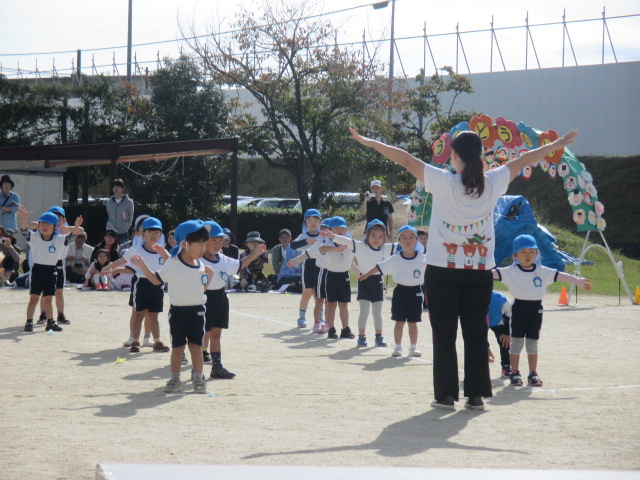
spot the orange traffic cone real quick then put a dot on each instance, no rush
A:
(636, 299)
(564, 300)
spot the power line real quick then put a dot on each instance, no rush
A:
(194, 37)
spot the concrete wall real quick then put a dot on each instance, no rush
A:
(602, 101)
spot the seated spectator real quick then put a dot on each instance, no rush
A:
(10, 252)
(78, 259)
(94, 276)
(110, 244)
(171, 240)
(279, 251)
(252, 275)
(228, 248)
(291, 276)
(124, 246)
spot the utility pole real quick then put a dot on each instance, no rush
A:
(129, 41)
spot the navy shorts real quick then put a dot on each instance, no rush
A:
(526, 319)
(60, 275)
(134, 280)
(321, 283)
(217, 309)
(371, 289)
(186, 324)
(338, 287)
(310, 273)
(43, 280)
(406, 303)
(147, 296)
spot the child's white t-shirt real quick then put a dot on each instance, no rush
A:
(46, 252)
(527, 284)
(336, 261)
(405, 271)
(186, 282)
(368, 257)
(313, 251)
(461, 231)
(153, 260)
(223, 268)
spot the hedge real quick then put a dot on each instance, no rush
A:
(267, 221)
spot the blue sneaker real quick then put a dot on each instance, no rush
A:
(380, 341)
(362, 341)
(302, 323)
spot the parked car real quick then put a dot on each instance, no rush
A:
(243, 201)
(278, 203)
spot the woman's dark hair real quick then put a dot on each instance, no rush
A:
(468, 146)
(201, 235)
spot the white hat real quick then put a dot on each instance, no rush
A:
(376, 183)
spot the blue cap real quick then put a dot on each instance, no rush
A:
(326, 222)
(524, 241)
(407, 228)
(151, 223)
(312, 212)
(49, 217)
(184, 229)
(373, 223)
(338, 222)
(215, 230)
(58, 210)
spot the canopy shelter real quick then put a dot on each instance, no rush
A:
(68, 155)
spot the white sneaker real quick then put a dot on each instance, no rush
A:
(148, 342)
(128, 342)
(397, 352)
(414, 352)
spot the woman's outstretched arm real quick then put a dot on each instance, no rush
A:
(532, 156)
(413, 165)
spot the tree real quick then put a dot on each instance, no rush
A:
(427, 110)
(308, 91)
(184, 105)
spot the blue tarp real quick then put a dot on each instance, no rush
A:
(514, 216)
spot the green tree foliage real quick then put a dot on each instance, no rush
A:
(184, 105)
(308, 92)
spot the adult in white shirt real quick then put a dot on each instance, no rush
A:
(78, 259)
(460, 256)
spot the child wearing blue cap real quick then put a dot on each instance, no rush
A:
(337, 260)
(369, 252)
(217, 316)
(320, 280)
(147, 297)
(188, 278)
(45, 245)
(407, 267)
(528, 282)
(310, 235)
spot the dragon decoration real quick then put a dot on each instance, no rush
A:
(505, 140)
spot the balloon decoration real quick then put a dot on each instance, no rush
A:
(503, 141)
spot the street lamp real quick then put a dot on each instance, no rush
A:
(377, 6)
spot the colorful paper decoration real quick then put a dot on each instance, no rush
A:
(504, 141)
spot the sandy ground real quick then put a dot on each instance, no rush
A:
(300, 399)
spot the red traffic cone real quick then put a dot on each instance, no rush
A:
(564, 299)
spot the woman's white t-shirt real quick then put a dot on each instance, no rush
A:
(461, 231)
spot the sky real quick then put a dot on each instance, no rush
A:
(42, 27)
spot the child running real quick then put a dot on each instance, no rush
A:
(407, 268)
(310, 235)
(217, 305)
(45, 245)
(369, 252)
(188, 279)
(528, 283)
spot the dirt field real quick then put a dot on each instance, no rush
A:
(300, 399)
